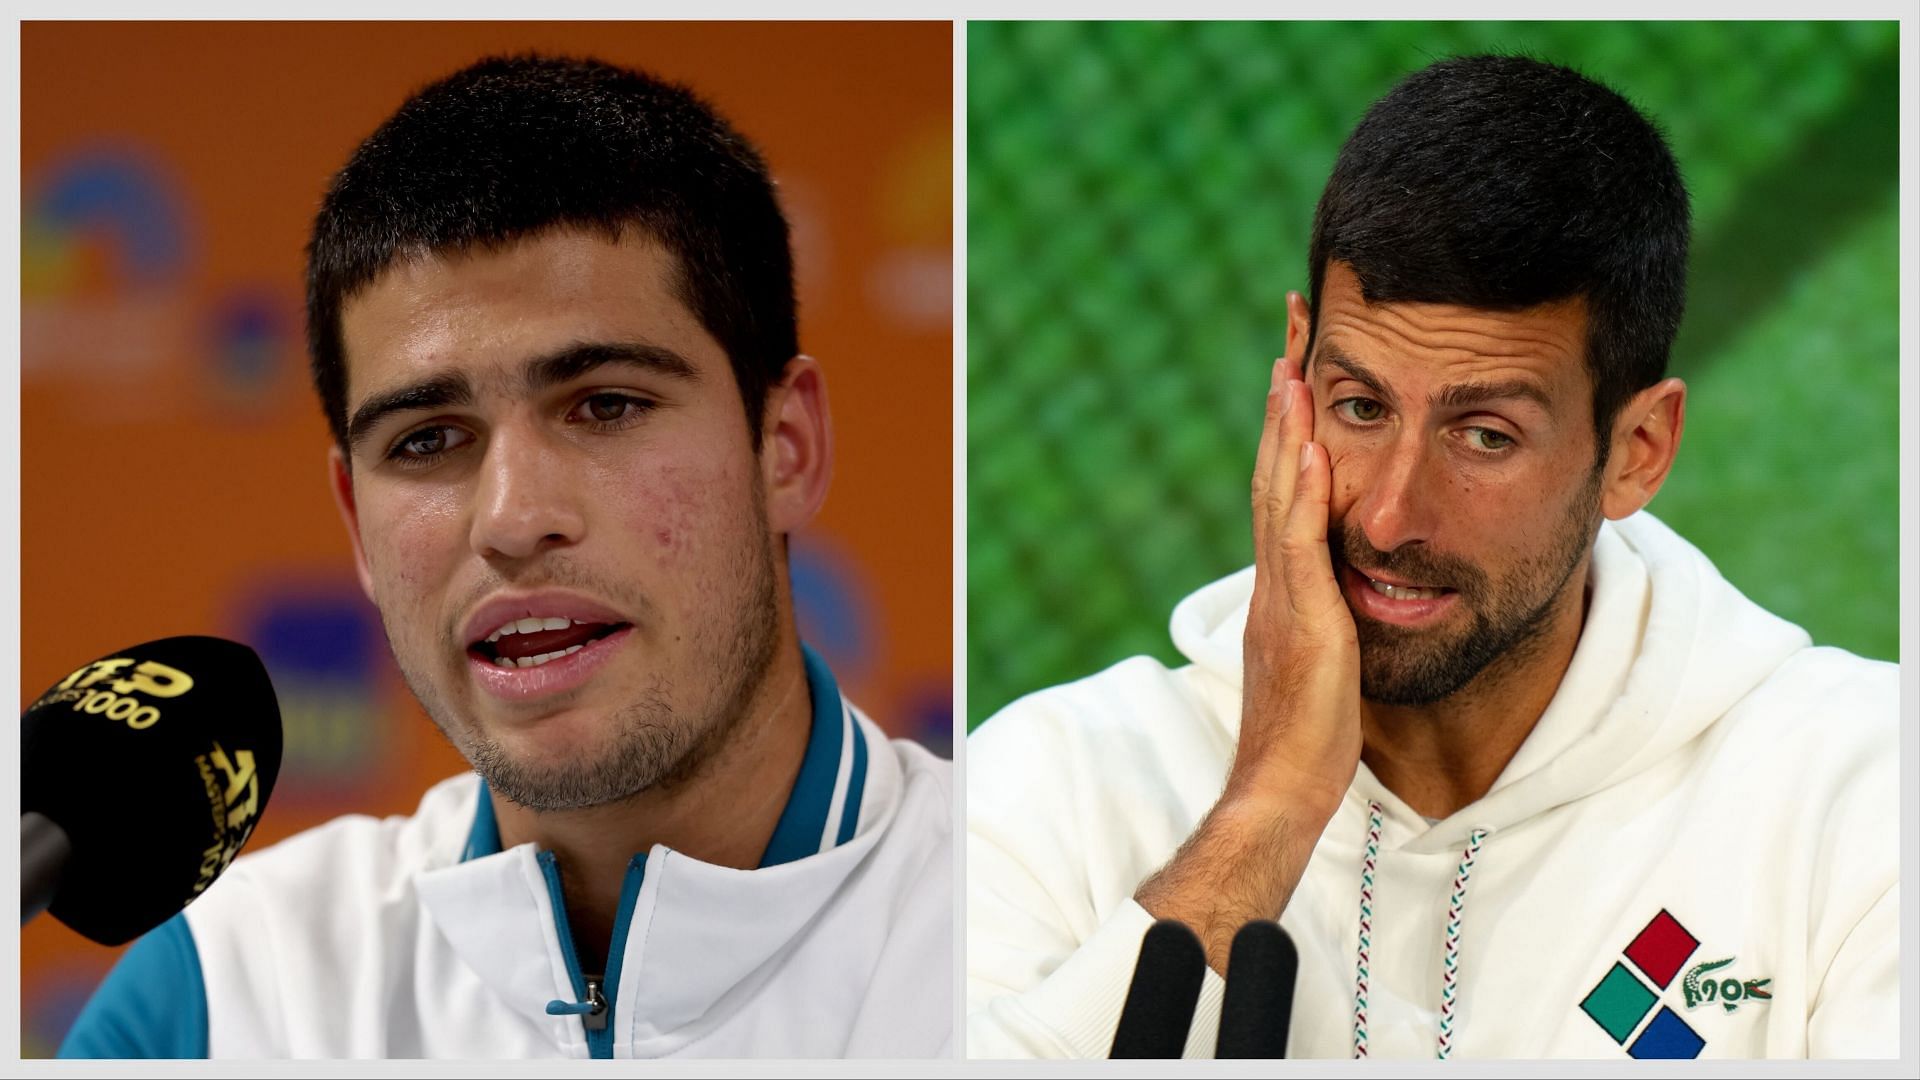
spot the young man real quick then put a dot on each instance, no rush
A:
(552, 324)
(1520, 773)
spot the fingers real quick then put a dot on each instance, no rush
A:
(1289, 422)
(1311, 587)
(1264, 459)
(1296, 427)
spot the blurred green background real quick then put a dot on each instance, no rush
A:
(1139, 202)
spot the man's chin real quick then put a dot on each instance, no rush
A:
(1406, 672)
(552, 774)
(553, 739)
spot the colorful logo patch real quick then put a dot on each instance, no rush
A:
(1731, 993)
(1623, 999)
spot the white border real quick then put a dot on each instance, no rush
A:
(10, 481)
(959, 1047)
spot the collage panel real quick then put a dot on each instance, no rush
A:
(505, 463)
(1322, 378)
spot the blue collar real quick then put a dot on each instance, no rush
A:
(826, 780)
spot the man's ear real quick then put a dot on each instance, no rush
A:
(1299, 329)
(796, 445)
(1646, 436)
(340, 478)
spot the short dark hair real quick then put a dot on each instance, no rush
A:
(1502, 182)
(514, 146)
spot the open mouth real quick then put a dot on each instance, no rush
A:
(531, 642)
(1406, 592)
(1405, 605)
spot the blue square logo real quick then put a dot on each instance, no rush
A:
(1667, 1037)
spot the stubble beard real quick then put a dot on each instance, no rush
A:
(1399, 666)
(653, 743)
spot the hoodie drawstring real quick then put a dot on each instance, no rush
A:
(1450, 978)
(1365, 958)
(1456, 912)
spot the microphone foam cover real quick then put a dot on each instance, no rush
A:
(1257, 1007)
(157, 761)
(1165, 990)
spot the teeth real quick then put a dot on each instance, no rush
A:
(1400, 592)
(536, 661)
(529, 625)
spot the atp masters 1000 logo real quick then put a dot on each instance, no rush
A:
(116, 700)
(233, 801)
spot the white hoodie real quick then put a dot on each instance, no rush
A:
(1694, 853)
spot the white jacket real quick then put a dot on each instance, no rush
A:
(1693, 853)
(418, 937)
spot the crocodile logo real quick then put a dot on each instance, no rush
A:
(1731, 993)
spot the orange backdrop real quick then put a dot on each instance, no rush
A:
(173, 451)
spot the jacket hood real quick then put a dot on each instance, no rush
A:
(1667, 648)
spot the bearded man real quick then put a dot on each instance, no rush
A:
(1518, 771)
(551, 318)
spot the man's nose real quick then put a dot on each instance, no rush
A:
(525, 499)
(1392, 491)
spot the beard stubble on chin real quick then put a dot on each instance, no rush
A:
(662, 738)
(1400, 666)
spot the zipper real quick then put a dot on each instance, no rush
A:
(600, 1039)
(593, 994)
(585, 993)
(597, 1016)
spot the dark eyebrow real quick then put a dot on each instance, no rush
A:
(1457, 396)
(1461, 395)
(540, 373)
(1354, 370)
(435, 393)
(573, 361)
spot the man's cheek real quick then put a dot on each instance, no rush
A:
(406, 559)
(1346, 479)
(666, 511)
(408, 552)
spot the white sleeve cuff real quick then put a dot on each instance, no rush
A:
(1073, 1012)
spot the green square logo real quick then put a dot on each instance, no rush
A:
(1619, 1003)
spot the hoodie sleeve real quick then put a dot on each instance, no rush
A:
(1857, 1013)
(1848, 779)
(1033, 990)
(1058, 838)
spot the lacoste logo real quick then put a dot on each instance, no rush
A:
(1731, 993)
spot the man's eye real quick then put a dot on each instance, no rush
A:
(1488, 440)
(612, 409)
(1362, 410)
(424, 445)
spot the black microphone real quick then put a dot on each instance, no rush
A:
(1258, 1004)
(141, 776)
(1164, 993)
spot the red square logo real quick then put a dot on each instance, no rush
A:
(1661, 948)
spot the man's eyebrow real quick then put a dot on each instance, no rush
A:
(1461, 395)
(435, 393)
(1354, 370)
(571, 362)
(540, 373)
(1457, 396)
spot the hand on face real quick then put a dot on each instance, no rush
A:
(1300, 684)
(1300, 697)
